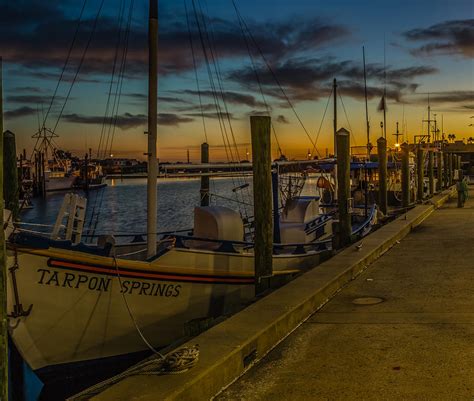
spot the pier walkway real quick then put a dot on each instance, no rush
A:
(417, 344)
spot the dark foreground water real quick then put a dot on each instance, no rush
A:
(121, 208)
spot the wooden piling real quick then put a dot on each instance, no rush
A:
(431, 172)
(439, 171)
(276, 206)
(446, 170)
(450, 169)
(419, 173)
(3, 270)
(405, 174)
(10, 173)
(382, 153)
(344, 185)
(204, 178)
(460, 189)
(262, 195)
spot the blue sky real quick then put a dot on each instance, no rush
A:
(429, 48)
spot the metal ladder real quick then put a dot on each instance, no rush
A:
(73, 209)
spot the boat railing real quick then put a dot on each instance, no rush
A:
(228, 246)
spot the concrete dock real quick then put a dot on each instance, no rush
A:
(417, 344)
(318, 337)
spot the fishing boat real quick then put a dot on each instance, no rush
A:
(75, 304)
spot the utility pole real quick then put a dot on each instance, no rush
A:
(366, 107)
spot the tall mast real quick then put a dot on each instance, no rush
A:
(366, 106)
(3, 272)
(152, 121)
(334, 90)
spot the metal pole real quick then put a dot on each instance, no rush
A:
(366, 106)
(382, 153)
(420, 173)
(344, 189)
(205, 178)
(439, 171)
(405, 175)
(10, 173)
(431, 172)
(334, 90)
(3, 272)
(262, 192)
(152, 122)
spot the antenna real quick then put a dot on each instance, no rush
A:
(366, 106)
(429, 120)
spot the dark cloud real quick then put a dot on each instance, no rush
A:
(282, 119)
(452, 97)
(33, 99)
(37, 36)
(127, 120)
(229, 96)
(20, 112)
(221, 115)
(449, 37)
(309, 79)
(172, 119)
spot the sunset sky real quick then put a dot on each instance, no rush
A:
(429, 50)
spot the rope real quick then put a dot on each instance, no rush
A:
(150, 347)
(179, 361)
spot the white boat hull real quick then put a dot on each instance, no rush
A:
(81, 310)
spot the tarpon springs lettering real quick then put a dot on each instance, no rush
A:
(93, 283)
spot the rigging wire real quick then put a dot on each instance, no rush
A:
(195, 70)
(208, 57)
(275, 77)
(80, 63)
(322, 121)
(117, 45)
(78, 23)
(254, 68)
(347, 119)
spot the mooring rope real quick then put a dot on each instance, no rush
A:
(179, 361)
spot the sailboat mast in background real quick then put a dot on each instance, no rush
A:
(152, 121)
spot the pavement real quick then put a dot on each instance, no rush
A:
(416, 344)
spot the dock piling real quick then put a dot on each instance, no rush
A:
(382, 154)
(344, 185)
(439, 171)
(405, 174)
(419, 173)
(262, 194)
(431, 172)
(204, 177)
(450, 169)
(445, 170)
